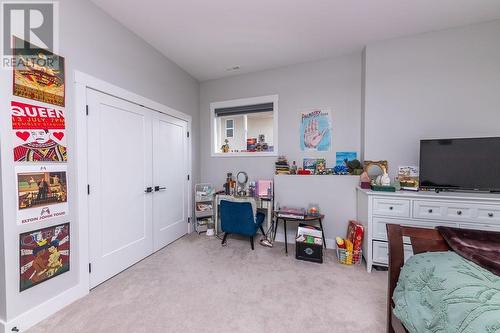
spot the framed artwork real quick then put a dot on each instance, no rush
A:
(43, 254)
(38, 74)
(316, 130)
(39, 133)
(310, 164)
(42, 192)
(343, 156)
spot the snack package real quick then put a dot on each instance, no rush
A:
(355, 233)
(340, 242)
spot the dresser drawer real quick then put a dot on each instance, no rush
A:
(452, 211)
(380, 231)
(381, 252)
(488, 214)
(391, 207)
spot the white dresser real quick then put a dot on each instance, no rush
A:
(420, 209)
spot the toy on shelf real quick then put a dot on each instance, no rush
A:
(225, 147)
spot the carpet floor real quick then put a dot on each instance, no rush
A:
(195, 285)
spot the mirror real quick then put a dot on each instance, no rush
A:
(242, 178)
(375, 168)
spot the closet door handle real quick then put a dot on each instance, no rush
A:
(159, 188)
(148, 189)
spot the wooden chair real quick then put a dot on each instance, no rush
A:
(422, 240)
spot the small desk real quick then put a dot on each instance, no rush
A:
(262, 203)
(306, 219)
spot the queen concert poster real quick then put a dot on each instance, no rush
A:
(42, 192)
(39, 133)
(43, 254)
(38, 74)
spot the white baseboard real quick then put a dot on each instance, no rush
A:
(35, 315)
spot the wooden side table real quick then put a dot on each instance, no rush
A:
(306, 219)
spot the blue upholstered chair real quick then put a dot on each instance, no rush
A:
(238, 218)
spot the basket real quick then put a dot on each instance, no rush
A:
(349, 258)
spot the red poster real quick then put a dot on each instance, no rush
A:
(39, 133)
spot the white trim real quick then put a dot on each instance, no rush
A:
(44, 310)
(110, 89)
(239, 102)
(82, 83)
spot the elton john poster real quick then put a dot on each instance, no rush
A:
(39, 133)
(43, 254)
(42, 192)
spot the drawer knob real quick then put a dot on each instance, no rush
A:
(430, 211)
(459, 212)
(391, 208)
(490, 214)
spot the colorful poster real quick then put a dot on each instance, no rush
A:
(316, 130)
(43, 254)
(39, 133)
(42, 192)
(38, 74)
(343, 156)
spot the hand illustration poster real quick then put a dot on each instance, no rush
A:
(39, 133)
(43, 254)
(316, 130)
(38, 74)
(42, 192)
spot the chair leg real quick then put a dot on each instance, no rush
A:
(224, 239)
(262, 230)
(251, 242)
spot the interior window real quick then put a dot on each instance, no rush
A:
(244, 128)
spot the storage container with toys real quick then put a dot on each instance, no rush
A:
(349, 249)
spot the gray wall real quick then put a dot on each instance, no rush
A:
(334, 83)
(436, 85)
(92, 42)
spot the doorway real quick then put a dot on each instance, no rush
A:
(137, 169)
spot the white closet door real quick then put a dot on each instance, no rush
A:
(119, 171)
(170, 161)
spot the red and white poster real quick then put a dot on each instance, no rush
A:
(39, 133)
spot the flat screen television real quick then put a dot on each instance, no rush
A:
(460, 164)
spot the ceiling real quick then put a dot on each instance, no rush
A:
(206, 37)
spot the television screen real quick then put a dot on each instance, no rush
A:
(462, 164)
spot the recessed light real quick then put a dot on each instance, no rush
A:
(232, 69)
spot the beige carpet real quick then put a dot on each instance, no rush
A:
(195, 285)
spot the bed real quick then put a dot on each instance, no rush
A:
(438, 290)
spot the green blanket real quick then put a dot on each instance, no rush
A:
(441, 292)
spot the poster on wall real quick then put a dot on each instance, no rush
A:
(39, 133)
(42, 192)
(43, 254)
(342, 157)
(38, 74)
(316, 130)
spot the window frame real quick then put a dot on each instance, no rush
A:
(215, 150)
(230, 128)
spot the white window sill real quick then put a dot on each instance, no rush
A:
(247, 154)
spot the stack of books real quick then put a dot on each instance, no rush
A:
(293, 213)
(282, 167)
